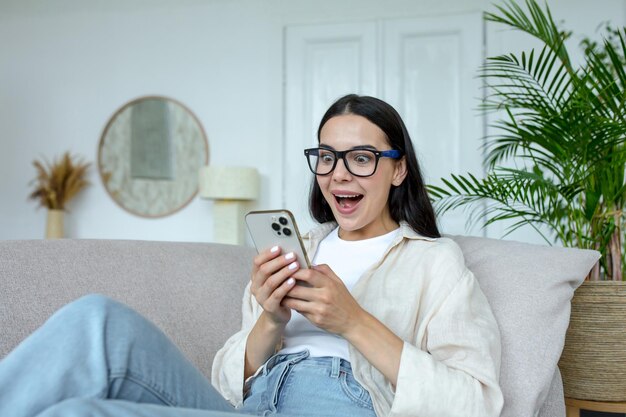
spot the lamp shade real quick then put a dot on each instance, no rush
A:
(229, 183)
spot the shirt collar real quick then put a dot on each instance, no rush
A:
(320, 232)
(408, 232)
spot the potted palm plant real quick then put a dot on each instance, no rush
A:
(558, 163)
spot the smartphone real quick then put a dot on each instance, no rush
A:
(270, 228)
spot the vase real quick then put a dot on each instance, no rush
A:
(593, 364)
(54, 224)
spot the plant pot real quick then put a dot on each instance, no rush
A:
(593, 364)
(54, 224)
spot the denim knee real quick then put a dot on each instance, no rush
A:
(91, 312)
(92, 305)
(91, 302)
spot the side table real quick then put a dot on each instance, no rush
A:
(574, 406)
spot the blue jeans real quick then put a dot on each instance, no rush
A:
(297, 385)
(96, 357)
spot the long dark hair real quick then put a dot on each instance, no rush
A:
(408, 202)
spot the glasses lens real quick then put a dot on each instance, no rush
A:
(361, 162)
(321, 161)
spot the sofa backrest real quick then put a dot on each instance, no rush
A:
(190, 290)
(193, 292)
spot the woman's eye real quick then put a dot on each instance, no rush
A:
(362, 158)
(327, 158)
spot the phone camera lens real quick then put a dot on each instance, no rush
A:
(276, 226)
(283, 221)
(286, 231)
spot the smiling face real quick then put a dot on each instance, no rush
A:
(359, 204)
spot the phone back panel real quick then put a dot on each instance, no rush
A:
(276, 228)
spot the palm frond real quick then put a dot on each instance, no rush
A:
(607, 79)
(539, 25)
(515, 192)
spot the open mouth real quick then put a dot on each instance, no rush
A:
(348, 200)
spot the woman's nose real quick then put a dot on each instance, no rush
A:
(341, 173)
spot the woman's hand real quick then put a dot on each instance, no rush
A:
(271, 281)
(329, 305)
(326, 303)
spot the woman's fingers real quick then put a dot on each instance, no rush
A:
(327, 303)
(274, 301)
(264, 265)
(270, 281)
(264, 256)
(316, 277)
(271, 296)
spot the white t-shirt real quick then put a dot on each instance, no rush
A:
(349, 260)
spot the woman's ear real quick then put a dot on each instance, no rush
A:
(400, 172)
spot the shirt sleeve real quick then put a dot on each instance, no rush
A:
(227, 374)
(458, 373)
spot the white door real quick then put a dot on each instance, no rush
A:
(430, 68)
(424, 67)
(323, 63)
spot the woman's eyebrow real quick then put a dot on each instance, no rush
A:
(364, 147)
(354, 148)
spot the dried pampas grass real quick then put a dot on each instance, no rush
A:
(57, 183)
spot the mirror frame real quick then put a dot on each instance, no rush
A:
(110, 123)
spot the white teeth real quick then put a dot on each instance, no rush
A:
(346, 196)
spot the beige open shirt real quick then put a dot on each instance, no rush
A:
(422, 290)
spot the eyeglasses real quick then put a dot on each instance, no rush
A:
(359, 162)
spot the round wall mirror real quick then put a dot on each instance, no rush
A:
(150, 155)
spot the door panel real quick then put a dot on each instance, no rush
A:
(430, 78)
(427, 71)
(323, 62)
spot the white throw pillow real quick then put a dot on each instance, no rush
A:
(529, 288)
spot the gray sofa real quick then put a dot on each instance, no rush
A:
(193, 292)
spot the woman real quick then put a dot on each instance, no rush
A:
(389, 321)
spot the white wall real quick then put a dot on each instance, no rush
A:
(66, 66)
(64, 74)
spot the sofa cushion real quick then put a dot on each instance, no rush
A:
(529, 288)
(192, 291)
